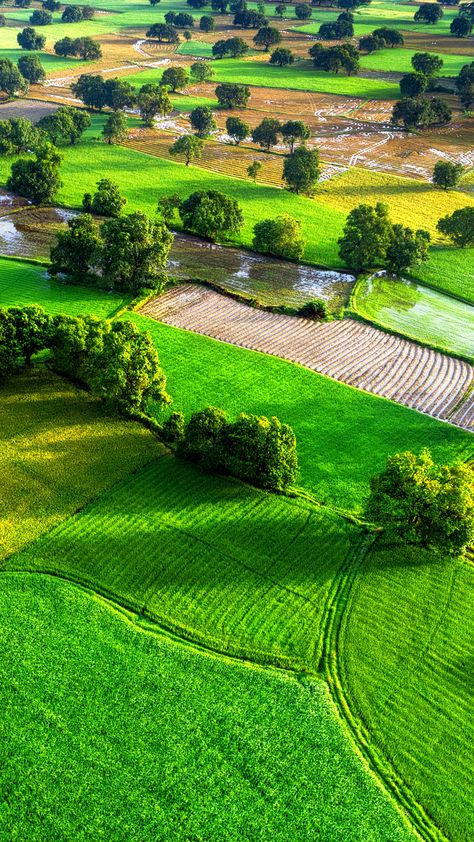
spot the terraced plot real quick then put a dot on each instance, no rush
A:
(354, 353)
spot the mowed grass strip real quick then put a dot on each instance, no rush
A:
(407, 656)
(59, 449)
(343, 435)
(241, 571)
(111, 731)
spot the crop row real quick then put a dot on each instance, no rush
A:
(355, 353)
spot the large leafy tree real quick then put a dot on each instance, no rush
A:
(280, 236)
(202, 71)
(413, 84)
(294, 130)
(31, 69)
(233, 47)
(301, 170)
(447, 174)
(11, 80)
(266, 133)
(237, 129)
(91, 89)
(28, 39)
(465, 85)
(37, 178)
(211, 214)
(231, 96)
(282, 57)
(65, 125)
(427, 63)
(421, 502)
(428, 13)
(366, 237)
(135, 251)
(107, 199)
(153, 101)
(188, 145)
(115, 128)
(459, 227)
(406, 248)
(414, 112)
(163, 32)
(266, 37)
(175, 78)
(202, 121)
(119, 94)
(77, 253)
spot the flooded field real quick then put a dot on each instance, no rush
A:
(30, 232)
(417, 312)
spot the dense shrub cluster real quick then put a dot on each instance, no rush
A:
(113, 360)
(256, 449)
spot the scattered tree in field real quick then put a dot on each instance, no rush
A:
(255, 449)
(459, 227)
(167, 207)
(248, 19)
(370, 43)
(31, 69)
(413, 84)
(338, 29)
(219, 6)
(293, 131)
(84, 48)
(237, 129)
(427, 63)
(135, 251)
(253, 170)
(202, 71)
(301, 170)
(366, 237)
(77, 251)
(282, 57)
(28, 39)
(429, 13)
(18, 135)
(11, 80)
(419, 112)
(232, 96)
(461, 27)
(163, 32)
(333, 59)
(188, 145)
(202, 121)
(303, 11)
(175, 78)
(266, 133)
(32, 329)
(233, 47)
(37, 178)
(465, 85)
(446, 174)
(119, 94)
(207, 23)
(211, 214)
(182, 20)
(315, 309)
(91, 90)
(280, 10)
(51, 5)
(421, 502)
(280, 236)
(74, 14)
(153, 101)
(65, 125)
(106, 201)
(391, 37)
(406, 248)
(115, 128)
(266, 37)
(40, 17)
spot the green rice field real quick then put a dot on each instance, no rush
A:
(398, 60)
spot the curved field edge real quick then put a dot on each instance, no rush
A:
(264, 748)
(405, 656)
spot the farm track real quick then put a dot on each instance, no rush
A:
(349, 351)
(337, 606)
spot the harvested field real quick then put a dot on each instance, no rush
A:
(30, 109)
(349, 351)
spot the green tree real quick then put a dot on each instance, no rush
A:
(420, 112)
(115, 128)
(280, 236)
(301, 170)
(260, 451)
(413, 84)
(32, 327)
(167, 207)
(280, 10)
(51, 5)
(219, 6)
(91, 90)
(461, 27)
(237, 129)
(282, 57)
(249, 19)
(446, 174)
(65, 47)
(303, 11)
(207, 23)
(253, 170)
(201, 442)
(267, 36)
(182, 20)
(37, 178)
(119, 94)
(465, 85)
(153, 100)
(202, 121)
(211, 214)
(420, 502)
(391, 37)
(72, 14)
(370, 43)
(175, 78)
(65, 125)
(107, 199)
(427, 63)
(41, 17)
(294, 130)
(18, 135)
(163, 32)
(233, 47)
(406, 248)
(232, 96)
(31, 69)
(77, 253)
(188, 145)
(135, 251)
(428, 13)
(366, 237)
(266, 133)
(11, 80)
(459, 227)
(202, 71)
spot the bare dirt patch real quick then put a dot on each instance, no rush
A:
(32, 110)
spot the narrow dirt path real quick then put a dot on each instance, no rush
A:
(354, 353)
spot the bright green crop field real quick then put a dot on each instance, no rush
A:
(110, 731)
(411, 680)
(418, 312)
(398, 60)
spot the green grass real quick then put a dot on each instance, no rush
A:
(343, 435)
(417, 312)
(187, 103)
(195, 48)
(109, 731)
(241, 571)
(411, 678)
(398, 60)
(23, 283)
(450, 269)
(59, 449)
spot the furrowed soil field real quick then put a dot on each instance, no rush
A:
(59, 449)
(411, 681)
(347, 350)
(137, 728)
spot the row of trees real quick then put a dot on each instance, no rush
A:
(71, 14)
(255, 449)
(113, 360)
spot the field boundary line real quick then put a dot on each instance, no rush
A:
(332, 626)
